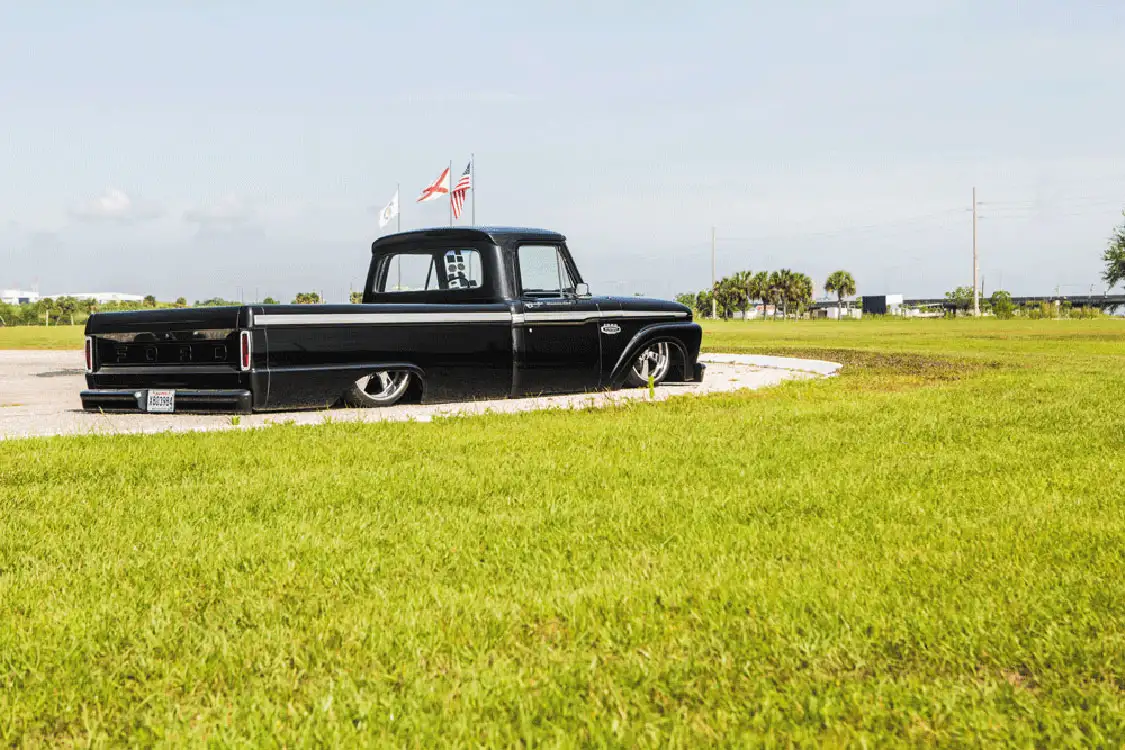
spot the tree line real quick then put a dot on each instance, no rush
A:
(785, 289)
(74, 311)
(71, 310)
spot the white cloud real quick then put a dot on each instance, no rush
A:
(115, 205)
(228, 213)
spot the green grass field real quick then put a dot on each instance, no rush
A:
(927, 550)
(41, 337)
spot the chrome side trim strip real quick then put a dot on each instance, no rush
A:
(315, 319)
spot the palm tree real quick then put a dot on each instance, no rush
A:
(843, 284)
(785, 283)
(742, 281)
(728, 296)
(758, 288)
(774, 285)
(804, 292)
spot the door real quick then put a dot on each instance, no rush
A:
(557, 343)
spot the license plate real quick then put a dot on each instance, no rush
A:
(161, 402)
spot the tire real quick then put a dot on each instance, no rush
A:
(658, 357)
(380, 388)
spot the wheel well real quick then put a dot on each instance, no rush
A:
(677, 355)
(679, 358)
(416, 391)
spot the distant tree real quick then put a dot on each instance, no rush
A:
(842, 284)
(784, 285)
(773, 291)
(181, 302)
(150, 300)
(66, 307)
(728, 296)
(270, 301)
(306, 298)
(801, 291)
(703, 302)
(356, 298)
(1002, 306)
(758, 288)
(960, 298)
(1114, 257)
(687, 299)
(216, 302)
(741, 281)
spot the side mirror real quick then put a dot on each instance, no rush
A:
(582, 290)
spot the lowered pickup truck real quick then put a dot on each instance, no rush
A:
(448, 314)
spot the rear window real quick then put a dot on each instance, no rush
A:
(448, 269)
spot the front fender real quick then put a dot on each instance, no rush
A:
(684, 336)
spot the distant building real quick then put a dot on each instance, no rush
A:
(18, 297)
(882, 304)
(101, 297)
(835, 313)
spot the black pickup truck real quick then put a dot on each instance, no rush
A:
(448, 314)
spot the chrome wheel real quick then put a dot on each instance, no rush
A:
(380, 388)
(653, 362)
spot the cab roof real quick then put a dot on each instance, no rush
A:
(493, 235)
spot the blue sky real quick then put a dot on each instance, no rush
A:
(197, 148)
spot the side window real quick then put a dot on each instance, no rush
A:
(458, 268)
(408, 272)
(543, 271)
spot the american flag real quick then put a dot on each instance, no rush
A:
(460, 190)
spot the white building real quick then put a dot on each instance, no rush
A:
(835, 313)
(18, 297)
(102, 297)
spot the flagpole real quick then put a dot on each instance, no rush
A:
(450, 192)
(398, 228)
(473, 179)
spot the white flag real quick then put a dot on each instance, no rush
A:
(389, 212)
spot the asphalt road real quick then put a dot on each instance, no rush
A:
(39, 396)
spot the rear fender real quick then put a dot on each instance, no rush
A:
(318, 386)
(685, 337)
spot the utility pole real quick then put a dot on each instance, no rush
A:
(714, 304)
(976, 260)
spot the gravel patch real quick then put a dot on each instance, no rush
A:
(39, 396)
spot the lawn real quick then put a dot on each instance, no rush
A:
(41, 337)
(927, 549)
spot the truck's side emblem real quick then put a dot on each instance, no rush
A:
(611, 328)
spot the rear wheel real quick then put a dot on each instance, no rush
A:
(380, 388)
(655, 360)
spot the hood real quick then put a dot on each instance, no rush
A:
(647, 303)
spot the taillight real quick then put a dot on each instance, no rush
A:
(89, 352)
(244, 350)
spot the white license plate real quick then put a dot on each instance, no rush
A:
(161, 402)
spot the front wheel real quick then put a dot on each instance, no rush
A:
(654, 360)
(380, 388)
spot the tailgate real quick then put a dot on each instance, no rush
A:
(175, 348)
